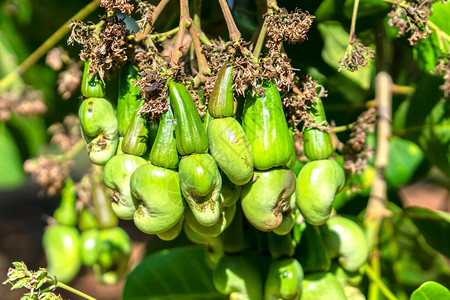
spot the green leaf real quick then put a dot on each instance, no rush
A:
(404, 158)
(179, 273)
(11, 171)
(434, 225)
(336, 40)
(426, 53)
(429, 291)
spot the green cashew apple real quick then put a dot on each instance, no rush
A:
(89, 246)
(128, 102)
(312, 252)
(322, 286)
(317, 142)
(348, 238)
(66, 213)
(99, 129)
(281, 245)
(136, 139)
(61, 244)
(237, 277)
(266, 129)
(114, 251)
(284, 280)
(156, 190)
(288, 221)
(87, 219)
(225, 219)
(317, 184)
(201, 182)
(91, 85)
(231, 150)
(266, 198)
(229, 193)
(221, 101)
(173, 232)
(101, 202)
(116, 175)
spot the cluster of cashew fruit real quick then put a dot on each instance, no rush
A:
(86, 239)
(227, 180)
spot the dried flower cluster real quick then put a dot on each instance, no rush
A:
(122, 6)
(48, 172)
(24, 101)
(146, 10)
(356, 151)
(104, 44)
(411, 16)
(443, 68)
(65, 134)
(291, 27)
(356, 56)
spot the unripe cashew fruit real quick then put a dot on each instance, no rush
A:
(265, 199)
(229, 193)
(312, 252)
(284, 280)
(231, 150)
(66, 212)
(157, 192)
(114, 250)
(99, 129)
(128, 102)
(221, 101)
(281, 245)
(288, 220)
(236, 277)
(61, 244)
(317, 183)
(91, 85)
(201, 184)
(173, 232)
(89, 246)
(321, 286)
(225, 219)
(266, 129)
(350, 241)
(116, 175)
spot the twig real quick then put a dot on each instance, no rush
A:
(74, 291)
(376, 209)
(145, 33)
(185, 22)
(233, 31)
(384, 289)
(352, 37)
(402, 89)
(197, 7)
(47, 45)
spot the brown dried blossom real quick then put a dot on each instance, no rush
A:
(291, 27)
(356, 56)
(25, 101)
(277, 67)
(104, 44)
(146, 10)
(356, 151)
(122, 6)
(67, 133)
(411, 16)
(48, 172)
(69, 80)
(56, 58)
(443, 69)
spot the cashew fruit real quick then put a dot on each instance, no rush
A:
(61, 244)
(237, 277)
(201, 182)
(284, 280)
(173, 232)
(221, 101)
(114, 250)
(348, 238)
(91, 85)
(136, 138)
(99, 129)
(288, 221)
(231, 150)
(266, 129)
(89, 246)
(189, 132)
(317, 184)
(128, 102)
(101, 202)
(322, 286)
(312, 252)
(281, 245)
(116, 175)
(86, 219)
(317, 142)
(66, 212)
(264, 200)
(225, 219)
(156, 190)
(164, 150)
(229, 193)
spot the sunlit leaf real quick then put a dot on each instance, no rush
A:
(430, 291)
(11, 172)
